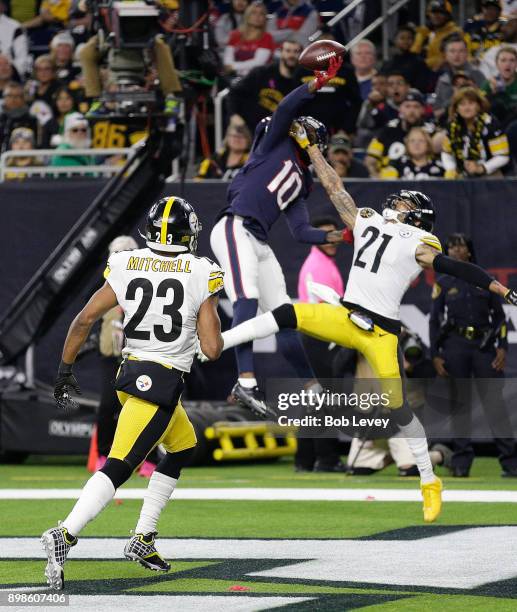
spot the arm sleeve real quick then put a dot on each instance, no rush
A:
(260, 58)
(20, 52)
(468, 272)
(297, 217)
(112, 274)
(213, 282)
(435, 318)
(499, 321)
(283, 116)
(229, 55)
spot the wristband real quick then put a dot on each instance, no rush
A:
(348, 236)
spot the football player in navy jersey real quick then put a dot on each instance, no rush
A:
(276, 179)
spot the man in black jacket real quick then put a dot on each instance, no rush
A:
(258, 94)
(15, 113)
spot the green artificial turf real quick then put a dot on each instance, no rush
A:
(70, 473)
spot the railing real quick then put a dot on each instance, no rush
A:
(47, 154)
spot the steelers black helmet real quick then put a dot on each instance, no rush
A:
(422, 216)
(172, 226)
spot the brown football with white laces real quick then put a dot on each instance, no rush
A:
(318, 55)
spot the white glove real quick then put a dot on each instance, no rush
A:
(324, 293)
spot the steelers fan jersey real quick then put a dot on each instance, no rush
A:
(161, 297)
(384, 263)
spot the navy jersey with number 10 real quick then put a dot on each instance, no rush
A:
(275, 179)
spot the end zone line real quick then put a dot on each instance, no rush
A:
(256, 494)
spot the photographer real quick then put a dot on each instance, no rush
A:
(367, 456)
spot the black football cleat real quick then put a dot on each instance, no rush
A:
(141, 548)
(338, 467)
(254, 400)
(56, 542)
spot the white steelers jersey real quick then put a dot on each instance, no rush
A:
(161, 297)
(384, 262)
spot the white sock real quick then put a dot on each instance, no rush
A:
(417, 441)
(95, 496)
(159, 491)
(259, 327)
(248, 383)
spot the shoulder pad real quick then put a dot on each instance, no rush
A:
(366, 212)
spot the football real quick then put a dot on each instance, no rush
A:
(317, 55)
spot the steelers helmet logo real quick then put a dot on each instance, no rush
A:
(405, 233)
(144, 382)
(194, 222)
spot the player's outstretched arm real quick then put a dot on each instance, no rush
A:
(101, 301)
(332, 183)
(209, 328)
(428, 257)
(99, 304)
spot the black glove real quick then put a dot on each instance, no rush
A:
(511, 297)
(65, 382)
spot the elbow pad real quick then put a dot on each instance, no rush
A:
(468, 272)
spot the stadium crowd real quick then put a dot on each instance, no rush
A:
(443, 105)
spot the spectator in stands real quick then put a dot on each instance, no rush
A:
(509, 32)
(64, 103)
(249, 46)
(375, 115)
(227, 161)
(501, 92)
(337, 105)
(15, 113)
(364, 57)
(376, 100)
(44, 84)
(418, 162)
(62, 54)
(228, 22)
(258, 94)
(22, 139)
(52, 17)
(389, 145)
(293, 20)
(406, 62)
(475, 145)
(342, 159)
(456, 60)
(428, 40)
(484, 32)
(6, 73)
(13, 42)
(76, 136)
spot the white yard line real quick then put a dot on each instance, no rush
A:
(257, 494)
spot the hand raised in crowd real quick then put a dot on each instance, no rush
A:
(474, 167)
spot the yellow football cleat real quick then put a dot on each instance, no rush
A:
(432, 494)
